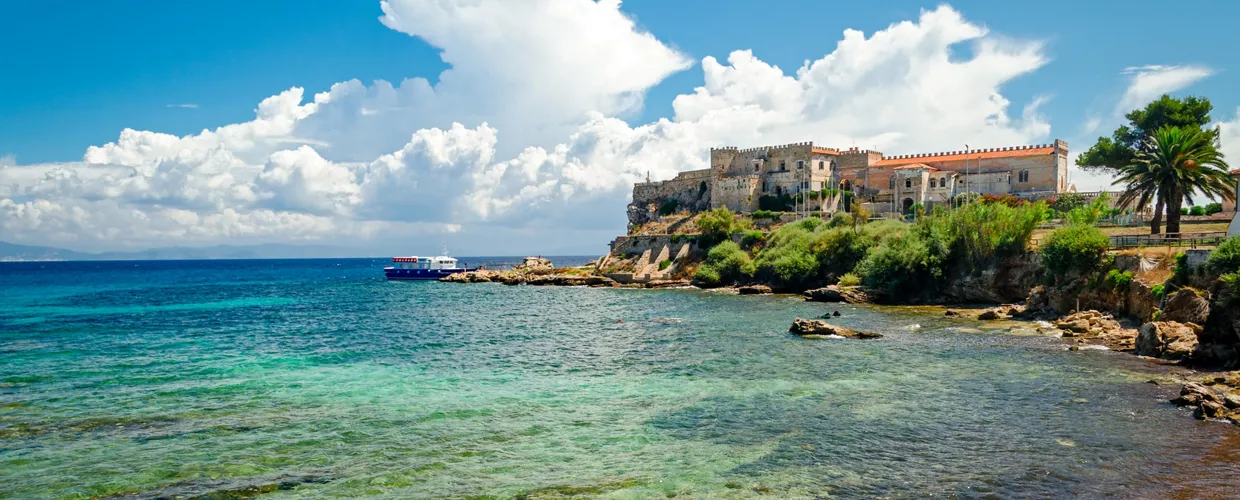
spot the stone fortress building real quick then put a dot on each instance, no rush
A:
(739, 178)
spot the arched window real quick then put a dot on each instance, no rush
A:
(943, 181)
(932, 183)
(908, 182)
(1023, 176)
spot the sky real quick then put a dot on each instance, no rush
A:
(519, 126)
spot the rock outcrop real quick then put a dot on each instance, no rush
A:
(754, 290)
(534, 265)
(836, 293)
(1167, 339)
(1008, 280)
(479, 276)
(1096, 327)
(1209, 404)
(816, 328)
(1186, 306)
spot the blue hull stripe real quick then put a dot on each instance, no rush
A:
(420, 274)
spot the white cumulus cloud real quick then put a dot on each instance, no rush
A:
(521, 136)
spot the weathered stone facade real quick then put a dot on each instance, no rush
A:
(738, 178)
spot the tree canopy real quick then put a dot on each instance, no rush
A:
(1112, 154)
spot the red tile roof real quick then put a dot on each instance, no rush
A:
(824, 151)
(1041, 149)
(915, 166)
(1235, 172)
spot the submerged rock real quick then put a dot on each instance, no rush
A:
(816, 328)
(836, 293)
(754, 290)
(1166, 340)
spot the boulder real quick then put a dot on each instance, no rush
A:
(951, 314)
(1210, 409)
(1186, 306)
(836, 293)
(754, 290)
(1231, 401)
(534, 265)
(1192, 394)
(1166, 340)
(816, 328)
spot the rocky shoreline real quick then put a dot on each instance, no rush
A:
(1174, 337)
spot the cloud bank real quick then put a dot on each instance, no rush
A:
(524, 134)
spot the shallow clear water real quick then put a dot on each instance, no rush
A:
(195, 377)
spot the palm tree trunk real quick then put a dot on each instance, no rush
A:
(1156, 222)
(1173, 211)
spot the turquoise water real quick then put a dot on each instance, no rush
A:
(320, 379)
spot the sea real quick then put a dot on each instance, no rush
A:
(320, 379)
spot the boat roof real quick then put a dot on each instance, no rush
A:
(414, 258)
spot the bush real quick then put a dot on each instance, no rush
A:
(764, 214)
(840, 219)
(850, 279)
(1157, 291)
(1183, 210)
(977, 232)
(664, 264)
(781, 203)
(902, 265)
(1073, 248)
(719, 224)
(1214, 208)
(1068, 201)
(708, 275)
(752, 238)
(1119, 280)
(1226, 258)
(725, 263)
(669, 207)
(786, 260)
(1232, 280)
(1197, 211)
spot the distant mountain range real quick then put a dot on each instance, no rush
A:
(12, 252)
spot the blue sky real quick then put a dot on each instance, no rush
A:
(81, 71)
(559, 105)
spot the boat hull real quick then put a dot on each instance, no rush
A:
(419, 274)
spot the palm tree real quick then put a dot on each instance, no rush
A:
(1176, 164)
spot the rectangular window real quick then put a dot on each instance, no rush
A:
(800, 164)
(821, 164)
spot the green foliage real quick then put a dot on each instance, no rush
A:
(786, 259)
(1174, 165)
(1157, 314)
(1232, 280)
(902, 265)
(719, 224)
(669, 207)
(752, 237)
(1119, 280)
(664, 264)
(1073, 248)
(1225, 258)
(725, 263)
(1183, 210)
(1157, 291)
(1197, 210)
(1213, 208)
(850, 279)
(977, 232)
(1067, 201)
(840, 219)
(1091, 213)
(1180, 272)
(781, 203)
(764, 214)
(1113, 153)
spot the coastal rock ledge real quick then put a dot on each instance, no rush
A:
(817, 329)
(836, 293)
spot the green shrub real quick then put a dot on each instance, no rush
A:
(838, 250)
(764, 214)
(1068, 201)
(1214, 208)
(978, 232)
(1157, 291)
(1073, 248)
(1180, 271)
(725, 263)
(664, 264)
(1119, 280)
(781, 203)
(708, 275)
(669, 207)
(1157, 314)
(752, 237)
(904, 266)
(1232, 280)
(786, 259)
(1197, 210)
(850, 279)
(1183, 210)
(840, 219)
(1225, 258)
(719, 224)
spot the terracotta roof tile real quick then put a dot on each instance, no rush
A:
(825, 151)
(916, 166)
(1235, 172)
(983, 154)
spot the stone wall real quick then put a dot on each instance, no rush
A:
(738, 194)
(691, 191)
(624, 246)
